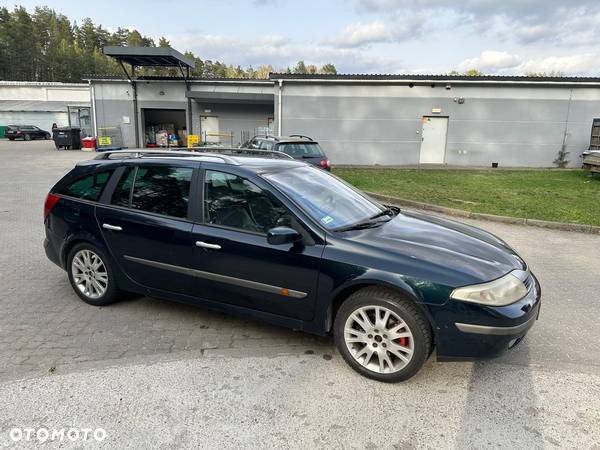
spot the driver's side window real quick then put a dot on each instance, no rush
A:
(234, 202)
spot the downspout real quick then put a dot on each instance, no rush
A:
(186, 79)
(93, 104)
(279, 109)
(566, 131)
(135, 114)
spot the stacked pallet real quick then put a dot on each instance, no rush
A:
(591, 161)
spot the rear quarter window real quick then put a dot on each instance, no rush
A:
(89, 187)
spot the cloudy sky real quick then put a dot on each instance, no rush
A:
(369, 36)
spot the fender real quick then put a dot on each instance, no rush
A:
(324, 308)
(123, 281)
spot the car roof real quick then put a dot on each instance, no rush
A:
(253, 163)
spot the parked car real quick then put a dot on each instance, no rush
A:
(25, 132)
(297, 146)
(288, 243)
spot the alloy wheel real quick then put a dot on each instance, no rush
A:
(89, 273)
(378, 339)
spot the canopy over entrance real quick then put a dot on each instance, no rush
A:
(148, 56)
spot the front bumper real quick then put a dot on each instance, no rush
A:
(468, 330)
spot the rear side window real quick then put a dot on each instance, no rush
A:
(162, 190)
(302, 149)
(266, 145)
(87, 188)
(120, 196)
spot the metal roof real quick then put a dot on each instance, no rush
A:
(55, 84)
(424, 78)
(148, 56)
(109, 77)
(37, 105)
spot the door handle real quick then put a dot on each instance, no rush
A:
(111, 227)
(207, 245)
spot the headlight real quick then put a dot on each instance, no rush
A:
(500, 292)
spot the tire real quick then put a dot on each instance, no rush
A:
(46, 137)
(80, 268)
(27, 137)
(11, 139)
(363, 348)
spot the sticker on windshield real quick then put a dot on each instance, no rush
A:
(327, 219)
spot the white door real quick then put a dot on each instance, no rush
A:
(433, 140)
(209, 126)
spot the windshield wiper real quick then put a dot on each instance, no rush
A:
(390, 211)
(361, 225)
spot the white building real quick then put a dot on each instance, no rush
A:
(43, 104)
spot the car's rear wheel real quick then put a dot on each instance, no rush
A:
(91, 275)
(382, 335)
(11, 139)
(27, 137)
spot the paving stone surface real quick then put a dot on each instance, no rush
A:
(44, 325)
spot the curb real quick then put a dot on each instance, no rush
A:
(563, 226)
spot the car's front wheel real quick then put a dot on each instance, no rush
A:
(382, 335)
(27, 137)
(91, 275)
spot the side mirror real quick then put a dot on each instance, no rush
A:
(282, 235)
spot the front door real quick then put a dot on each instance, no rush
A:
(146, 226)
(433, 140)
(233, 261)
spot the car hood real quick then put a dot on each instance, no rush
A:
(465, 254)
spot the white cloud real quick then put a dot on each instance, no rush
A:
(495, 62)
(281, 52)
(581, 64)
(377, 31)
(490, 61)
(576, 22)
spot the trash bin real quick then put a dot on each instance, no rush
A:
(67, 137)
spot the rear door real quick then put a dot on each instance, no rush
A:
(233, 261)
(145, 222)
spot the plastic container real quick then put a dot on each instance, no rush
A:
(67, 137)
(89, 143)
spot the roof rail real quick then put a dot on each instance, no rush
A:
(136, 153)
(256, 152)
(301, 136)
(225, 154)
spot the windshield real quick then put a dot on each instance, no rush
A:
(326, 198)
(301, 149)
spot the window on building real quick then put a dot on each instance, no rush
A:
(87, 188)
